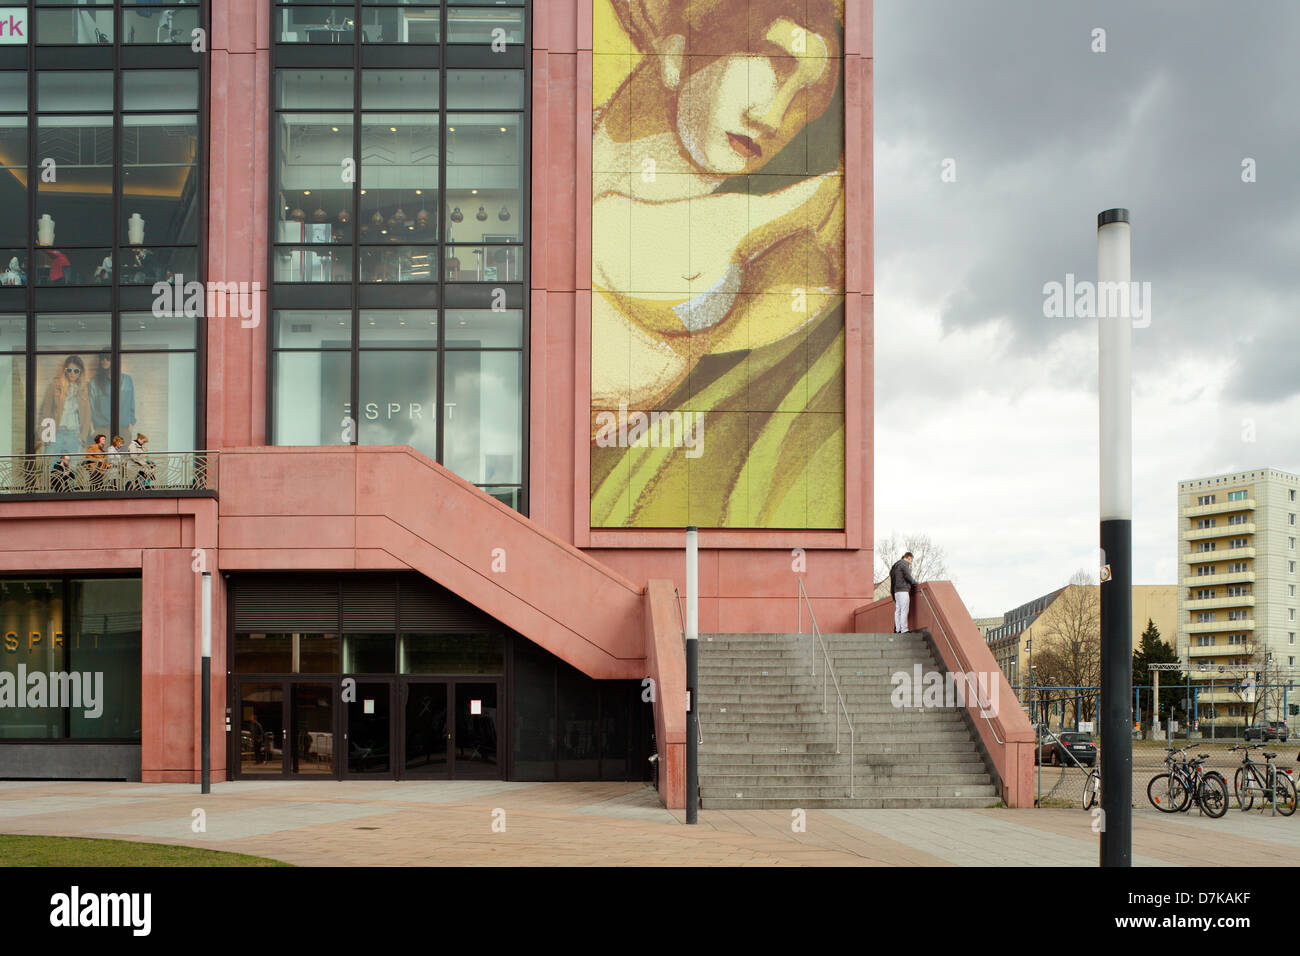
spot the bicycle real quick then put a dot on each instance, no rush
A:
(1186, 783)
(1248, 781)
(1092, 789)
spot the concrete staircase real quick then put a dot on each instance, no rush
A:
(767, 744)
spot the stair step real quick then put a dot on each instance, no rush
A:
(846, 803)
(798, 792)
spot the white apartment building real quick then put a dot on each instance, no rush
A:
(1237, 602)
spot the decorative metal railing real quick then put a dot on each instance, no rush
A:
(160, 473)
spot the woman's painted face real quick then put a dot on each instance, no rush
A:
(740, 110)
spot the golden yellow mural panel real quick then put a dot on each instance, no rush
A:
(717, 321)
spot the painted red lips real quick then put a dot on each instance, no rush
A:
(745, 146)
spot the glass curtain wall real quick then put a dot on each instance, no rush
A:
(100, 197)
(399, 211)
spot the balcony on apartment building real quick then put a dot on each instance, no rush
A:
(1224, 531)
(1219, 507)
(153, 474)
(1206, 627)
(1207, 604)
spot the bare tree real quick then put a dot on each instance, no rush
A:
(1069, 649)
(1259, 690)
(928, 560)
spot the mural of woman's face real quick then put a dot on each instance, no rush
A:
(740, 110)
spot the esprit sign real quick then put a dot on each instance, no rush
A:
(13, 25)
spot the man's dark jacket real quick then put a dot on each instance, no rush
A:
(900, 577)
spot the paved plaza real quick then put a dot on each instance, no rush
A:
(487, 823)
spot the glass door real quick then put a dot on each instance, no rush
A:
(369, 731)
(261, 729)
(311, 729)
(474, 743)
(426, 732)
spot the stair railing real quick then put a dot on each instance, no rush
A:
(828, 674)
(959, 658)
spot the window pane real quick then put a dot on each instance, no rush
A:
(160, 89)
(73, 333)
(368, 653)
(399, 264)
(534, 712)
(395, 328)
(144, 331)
(314, 89)
(143, 25)
(13, 400)
(469, 25)
(487, 263)
(313, 265)
(484, 408)
(61, 91)
(74, 266)
(401, 24)
(31, 614)
(312, 395)
(399, 395)
(13, 91)
(399, 177)
(578, 725)
(315, 199)
(77, 208)
(159, 180)
(453, 654)
(106, 640)
(13, 184)
(159, 399)
(318, 654)
(301, 329)
(146, 266)
(483, 328)
(316, 24)
(83, 25)
(399, 89)
(13, 332)
(263, 653)
(485, 89)
(483, 176)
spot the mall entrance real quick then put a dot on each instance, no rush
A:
(441, 728)
(377, 675)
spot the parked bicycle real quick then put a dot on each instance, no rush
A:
(1251, 781)
(1092, 789)
(1187, 782)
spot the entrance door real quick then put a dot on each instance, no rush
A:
(311, 729)
(369, 732)
(426, 732)
(261, 747)
(474, 742)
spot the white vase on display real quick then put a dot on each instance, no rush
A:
(45, 230)
(135, 229)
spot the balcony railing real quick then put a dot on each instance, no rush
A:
(1226, 531)
(156, 474)
(1206, 627)
(1219, 507)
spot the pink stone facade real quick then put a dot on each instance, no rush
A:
(601, 600)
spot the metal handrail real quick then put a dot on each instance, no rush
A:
(828, 672)
(681, 619)
(149, 471)
(960, 660)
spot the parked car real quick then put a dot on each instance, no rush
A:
(1058, 750)
(1267, 730)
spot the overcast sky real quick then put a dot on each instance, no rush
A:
(986, 411)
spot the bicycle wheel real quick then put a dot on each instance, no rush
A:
(1166, 792)
(1091, 787)
(1286, 796)
(1241, 786)
(1213, 795)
